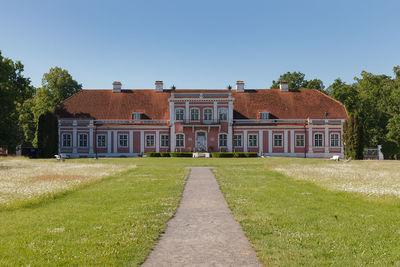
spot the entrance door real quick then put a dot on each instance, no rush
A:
(201, 141)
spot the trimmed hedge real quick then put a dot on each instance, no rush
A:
(234, 155)
(181, 154)
(214, 154)
(153, 154)
(222, 155)
(251, 154)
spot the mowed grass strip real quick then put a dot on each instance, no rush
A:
(297, 223)
(113, 222)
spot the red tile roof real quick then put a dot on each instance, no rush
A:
(301, 104)
(104, 104)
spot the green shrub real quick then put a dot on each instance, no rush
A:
(390, 149)
(153, 154)
(222, 155)
(239, 154)
(251, 155)
(181, 154)
(165, 154)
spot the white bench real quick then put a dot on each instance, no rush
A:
(201, 155)
(335, 157)
(60, 157)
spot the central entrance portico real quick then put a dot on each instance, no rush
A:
(201, 141)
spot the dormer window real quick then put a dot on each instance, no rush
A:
(265, 115)
(136, 116)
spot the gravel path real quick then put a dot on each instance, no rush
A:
(203, 232)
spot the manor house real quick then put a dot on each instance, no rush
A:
(275, 122)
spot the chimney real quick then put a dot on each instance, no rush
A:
(240, 86)
(117, 87)
(284, 86)
(159, 86)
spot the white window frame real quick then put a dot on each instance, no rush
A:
(70, 139)
(273, 140)
(225, 140)
(204, 114)
(241, 140)
(105, 141)
(161, 140)
(315, 140)
(176, 141)
(79, 140)
(154, 140)
(338, 139)
(304, 140)
(264, 113)
(219, 114)
(119, 140)
(248, 138)
(183, 114)
(198, 114)
(136, 114)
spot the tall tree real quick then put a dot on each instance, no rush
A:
(57, 85)
(47, 135)
(297, 80)
(344, 93)
(352, 137)
(14, 90)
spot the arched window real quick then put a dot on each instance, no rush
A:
(207, 114)
(194, 114)
(223, 114)
(179, 114)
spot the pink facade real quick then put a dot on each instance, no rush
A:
(202, 120)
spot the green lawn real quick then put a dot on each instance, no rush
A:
(113, 222)
(289, 221)
(292, 222)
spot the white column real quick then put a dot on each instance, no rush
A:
(310, 140)
(172, 125)
(157, 141)
(341, 141)
(292, 141)
(245, 140)
(115, 141)
(91, 137)
(229, 138)
(187, 113)
(260, 142)
(230, 111)
(215, 113)
(326, 139)
(109, 142)
(130, 141)
(59, 137)
(172, 138)
(141, 142)
(285, 138)
(91, 141)
(270, 141)
(230, 123)
(171, 113)
(74, 137)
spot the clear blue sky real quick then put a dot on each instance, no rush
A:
(202, 43)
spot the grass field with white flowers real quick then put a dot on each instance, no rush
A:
(294, 212)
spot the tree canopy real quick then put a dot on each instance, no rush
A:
(14, 90)
(296, 80)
